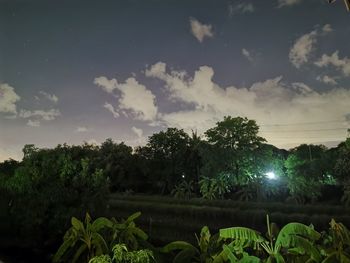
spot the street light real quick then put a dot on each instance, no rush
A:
(271, 176)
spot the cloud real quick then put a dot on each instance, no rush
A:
(241, 8)
(48, 115)
(283, 3)
(133, 98)
(81, 129)
(106, 84)
(327, 80)
(33, 123)
(247, 54)
(303, 46)
(327, 28)
(342, 65)
(110, 108)
(50, 97)
(272, 101)
(8, 99)
(137, 131)
(200, 31)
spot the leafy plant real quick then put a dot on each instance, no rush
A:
(83, 240)
(183, 190)
(208, 249)
(122, 255)
(126, 232)
(336, 243)
(294, 240)
(213, 188)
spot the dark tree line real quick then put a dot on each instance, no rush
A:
(230, 161)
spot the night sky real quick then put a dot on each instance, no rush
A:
(75, 71)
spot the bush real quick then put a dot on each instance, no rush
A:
(49, 187)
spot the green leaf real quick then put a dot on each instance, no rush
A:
(177, 245)
(229, 254)
(62, 249)
(241, 233)
(78, 253)
(184, 256)
(101, 223)
(249, 259)
(77, 224)
(133, 217)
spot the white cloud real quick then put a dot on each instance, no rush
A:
(303, 46)
(341, 64)
(48, 115)
(247, 54)
(327, 80)
(50, 97)
(137, 131)
(110, 108)
(242, 8)
(204, 102)
(106, 84)
(327, 28)
(8, 99)
(133, 98)
(199, 30)
(81, 129)
(282, 3)
(34, 123)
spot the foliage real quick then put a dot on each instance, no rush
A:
(233, 140)
(306, 170)
(208, 249)
(94, 239)
(126, 232)
(336, 243)
(183, 190)
(294, 240)
(56, 184)
(213, 188)
(83, 240)
(165, 152)
(122, 255)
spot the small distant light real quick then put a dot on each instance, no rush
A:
(183, 176)
(271, 176)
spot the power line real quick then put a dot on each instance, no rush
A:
(302, 123)
(309, 130)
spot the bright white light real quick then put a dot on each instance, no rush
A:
(271, 176)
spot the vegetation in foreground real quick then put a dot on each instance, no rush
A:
(105, 240)
(231, 162)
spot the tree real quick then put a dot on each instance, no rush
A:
(117, 161)
(165, 152)
(232, 142)
(342, 164)
(307, 169)
(55, 184)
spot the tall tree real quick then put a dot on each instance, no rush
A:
(307, 169)
(232, 142)
(166, 153)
